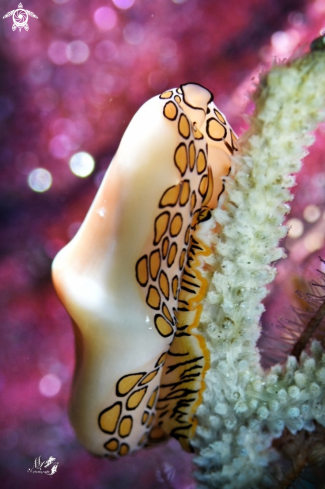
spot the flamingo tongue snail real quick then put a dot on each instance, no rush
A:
(131, 279)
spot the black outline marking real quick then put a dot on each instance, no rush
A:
(144, 422)
(109, 441)
(187, 289)
(136, 270)
(156, 390)
(171, 224)
(125, 417)
(161, 408)
(183, 253)
(217, 113)
(159, 360)
(155, 227)
(150, 420)
(144, 381)
(174, 433)
(143, 439)
(188, 231)
(189, 159)
(161, 415)
(190, 283)
(173, 245)
(164, 110)
(208, 132)
(151, 254)
(181, 328)
(184, 375)
(195, 219)
(198, 137)
(184, 392)
(210, 188)
(162, 247)
(178, 354)
(233, 138)
(162, 317)
(109, 409)
(178, 168)
(166, 98)
(231, 151)
(189, 274)
(172, 287)
(199, 85)
(181, 192)
(133, 408)
(161, 206)
(162, 310)
(147, 298)
(192, 207)
(123, 377)
(205, 177)
(197, 162)
(205, 214)
(171, 368)
(162, 272)
(124, 445)
(189, 126)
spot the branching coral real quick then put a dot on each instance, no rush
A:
(244, 408)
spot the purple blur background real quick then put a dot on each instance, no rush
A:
(71, 84)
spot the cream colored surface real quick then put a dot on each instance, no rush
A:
(94, 275)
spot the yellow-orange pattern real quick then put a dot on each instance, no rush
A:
(170, 408)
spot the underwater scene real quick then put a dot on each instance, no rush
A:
(162, 252)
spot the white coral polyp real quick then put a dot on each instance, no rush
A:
(289, 106)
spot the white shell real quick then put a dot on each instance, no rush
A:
(112, 276)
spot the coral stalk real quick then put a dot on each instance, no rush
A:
(243, 407)
(308, 331)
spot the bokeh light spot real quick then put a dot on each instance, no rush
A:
(40, 180)
(103, 82)
(284, 42)
(296, 18)
(319, 6)
(105, 18)
(133, 33)
(105, 51)
(77, 52)
(57, 52)
(318, 179)
(296, 228)
(314, 241)
(82, 164)
(60, 1)
(49, 385)
(157, 80)
(61, 146)
(311, 213)
(123, 4)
